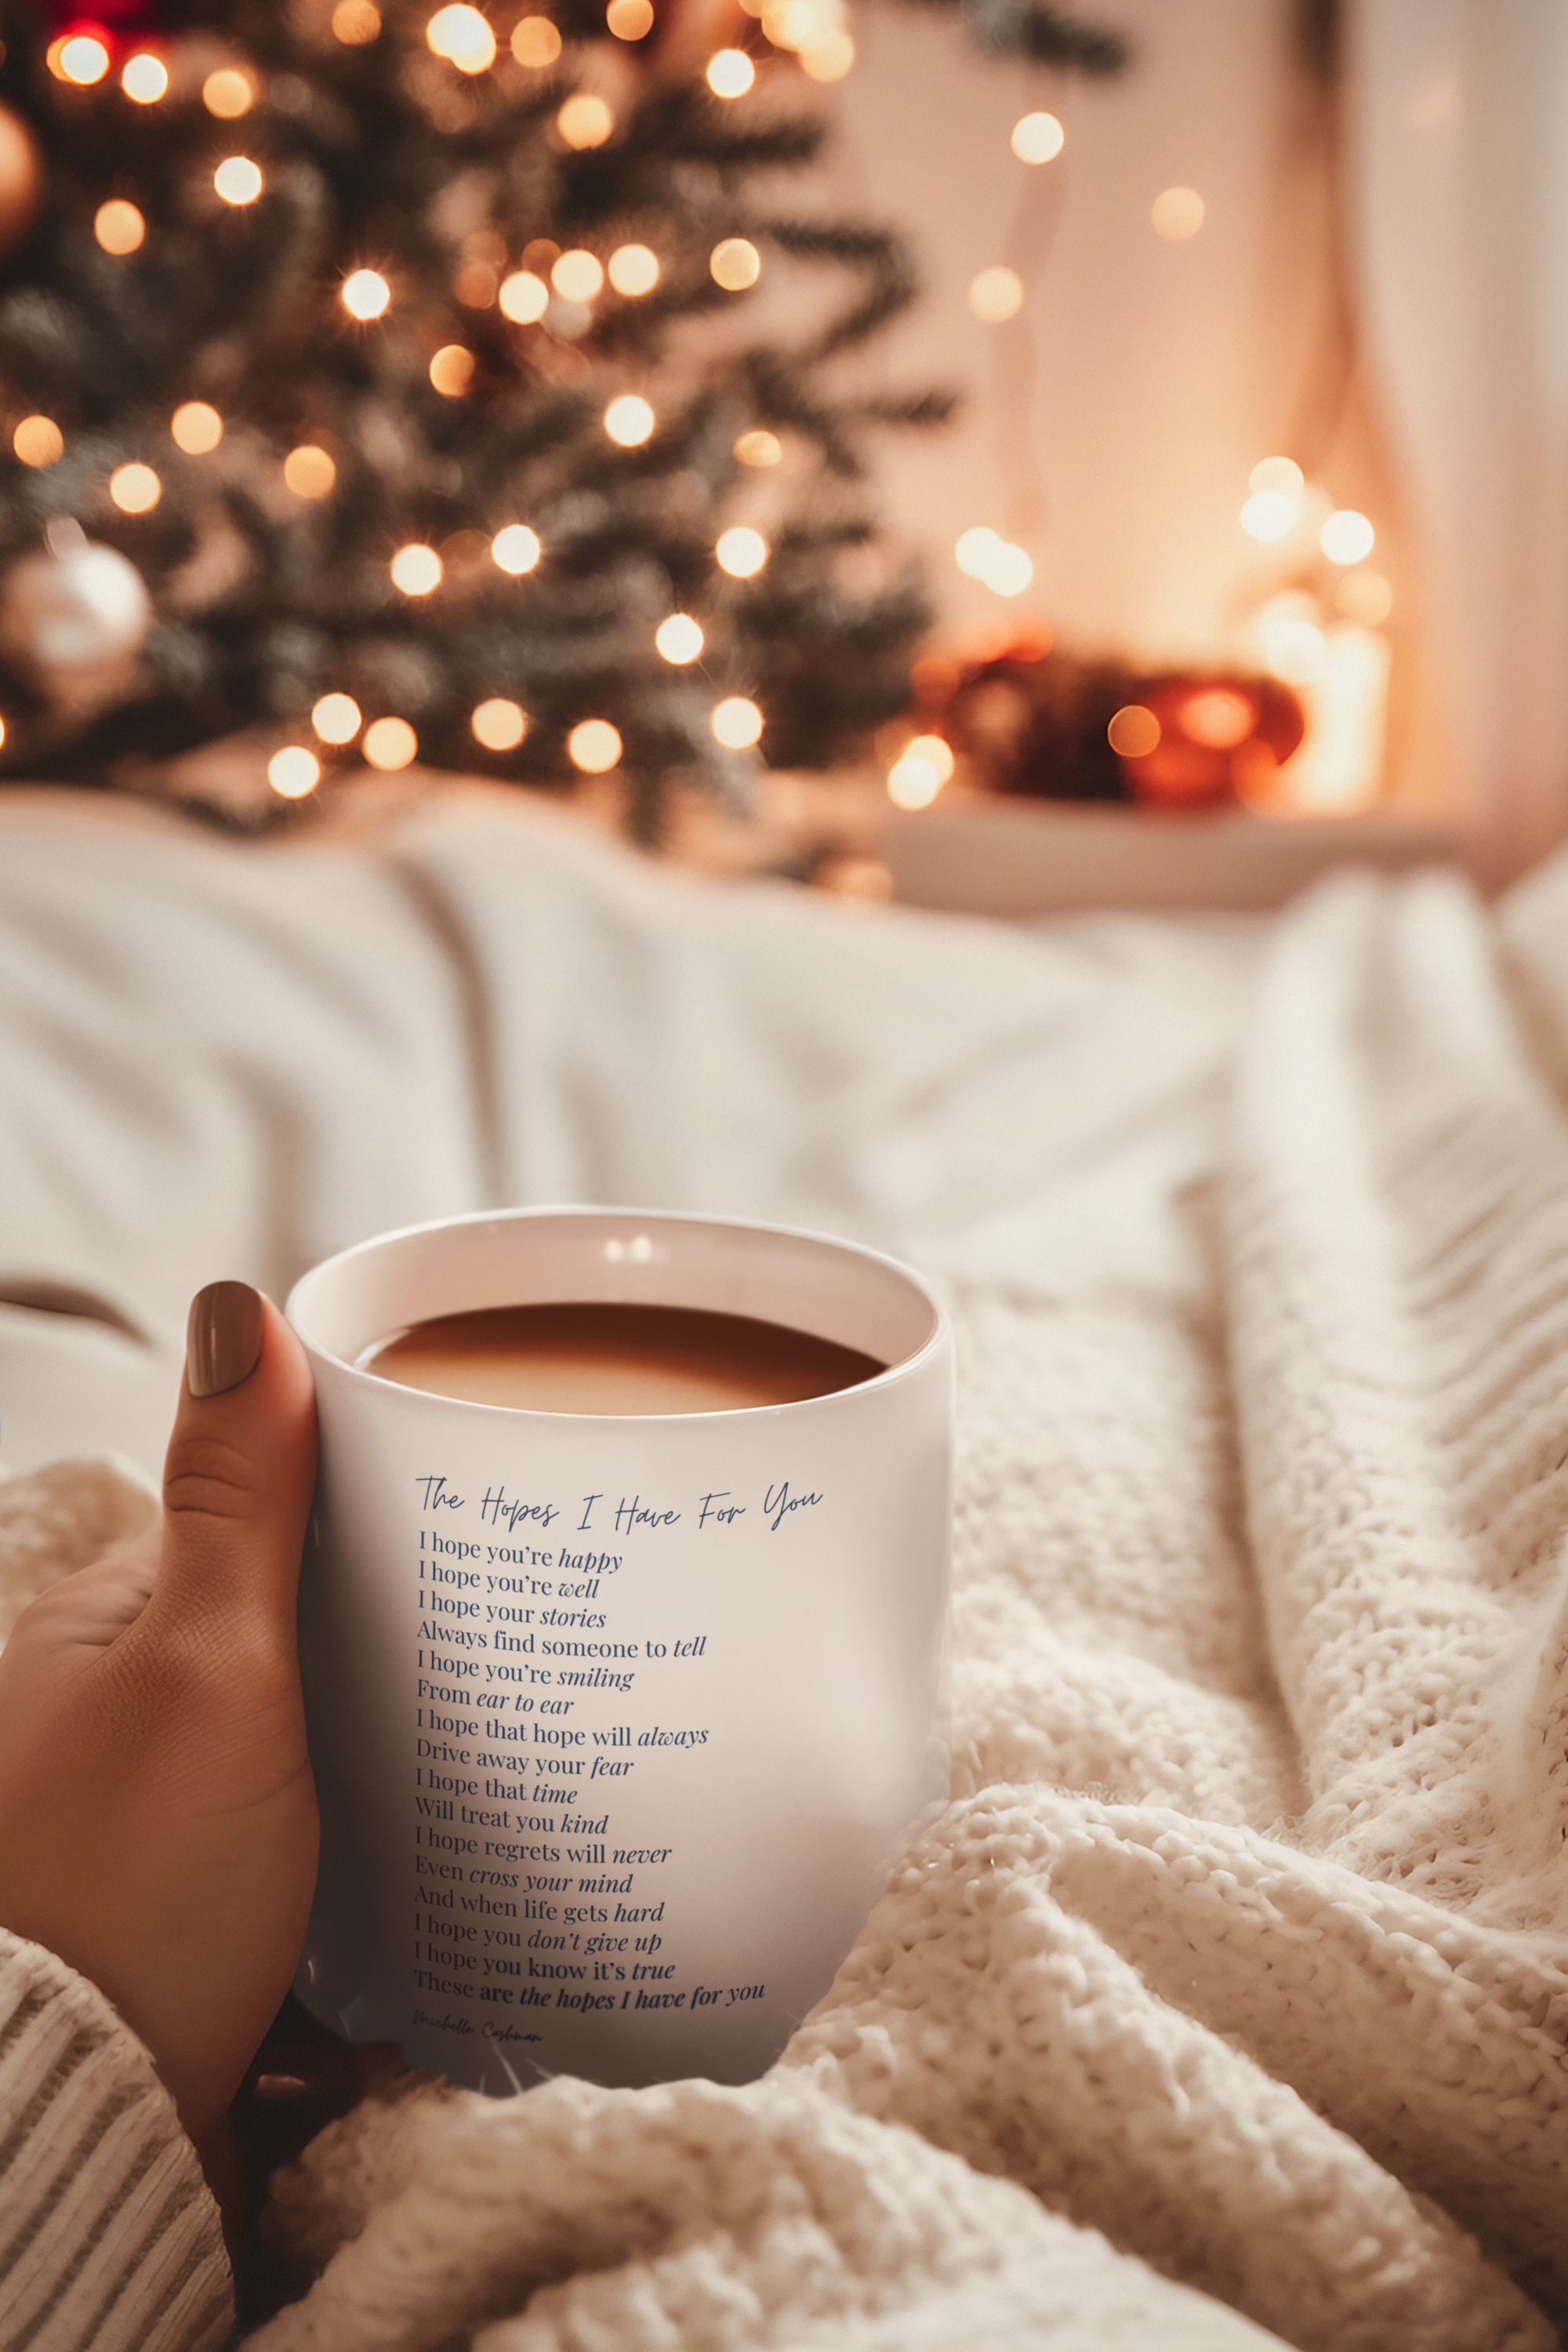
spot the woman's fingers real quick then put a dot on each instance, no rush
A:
(240, 1469)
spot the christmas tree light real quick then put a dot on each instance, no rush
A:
(577, 276)
(79, 58)
(452, 370)
(308, 471)
(135, 489)
(196, 427)
(119, 226)
(515, 549)
(535, 42)
(293, 771)
(403, 311)
(741, 552)
(585, 120)
(365, 294)
(463, 38)
(1037, 139)
(632, 270)
(629, 421)
(595, 746)
(336, 718)
(228, 93)
(736, 722)
(38, 441)
(389, 744)
(735, 263)
(679, 638)
(731, 73)
(417, 570)
(523, 298)
(144, 79)
(499, 723)
(356, 22)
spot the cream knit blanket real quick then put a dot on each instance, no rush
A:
(1245, 1939)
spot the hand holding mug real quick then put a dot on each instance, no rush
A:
(158, 1821)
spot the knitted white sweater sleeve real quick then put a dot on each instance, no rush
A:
(109, 2239)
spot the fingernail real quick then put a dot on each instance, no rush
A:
(223, 1339)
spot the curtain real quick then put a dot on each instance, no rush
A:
(1457, 151)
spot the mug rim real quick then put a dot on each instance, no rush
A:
(295, 1306)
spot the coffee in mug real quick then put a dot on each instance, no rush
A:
(608, 1356)
(623, 1633)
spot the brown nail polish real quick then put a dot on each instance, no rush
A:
(223, 1339)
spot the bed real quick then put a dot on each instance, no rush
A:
(1227, 2003)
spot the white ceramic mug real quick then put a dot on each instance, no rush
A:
(618, 1724)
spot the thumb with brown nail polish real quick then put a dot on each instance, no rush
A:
(223, 1337)
(157, 1814)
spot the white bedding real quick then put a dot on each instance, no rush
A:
(1244, 1942)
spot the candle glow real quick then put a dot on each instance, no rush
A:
(920, 772)
(1133, 732)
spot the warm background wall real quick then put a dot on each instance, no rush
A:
(1378, 289)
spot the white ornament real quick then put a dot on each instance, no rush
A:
(73, 618)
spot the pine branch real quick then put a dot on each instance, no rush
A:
(1045, 36)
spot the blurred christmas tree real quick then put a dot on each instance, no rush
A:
(366, 383)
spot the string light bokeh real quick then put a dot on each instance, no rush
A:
(1316, 612)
